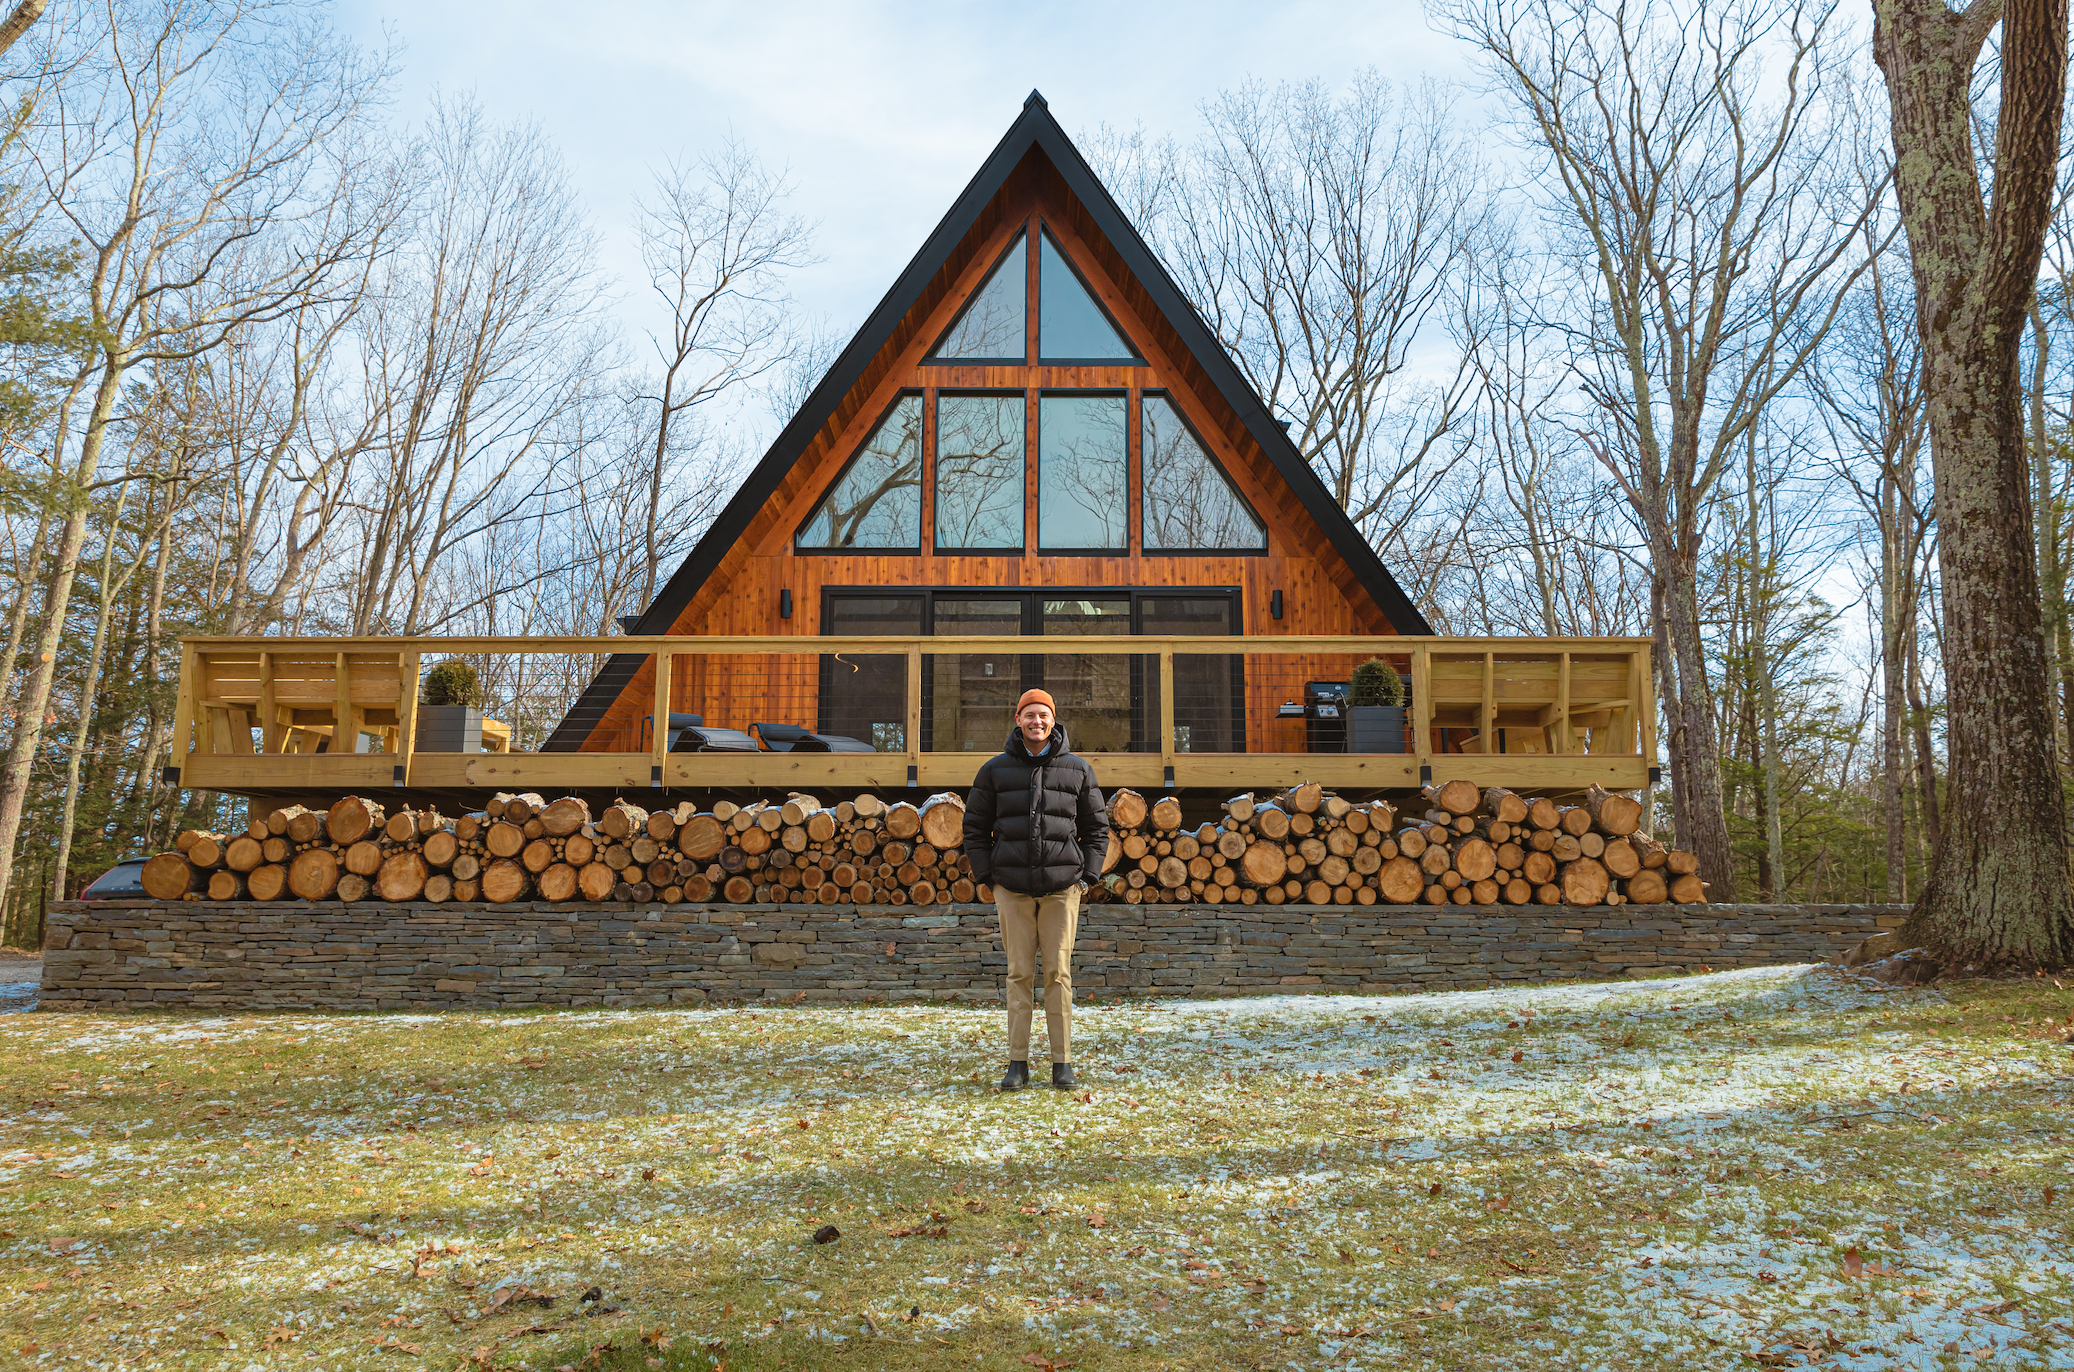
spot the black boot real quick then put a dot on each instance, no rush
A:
(1017, 1078)
(1062, 1075)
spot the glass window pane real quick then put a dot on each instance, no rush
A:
(979, 471)
(877, 501)
(991, 327)
(1209, 695)
(1092, 690)
(1082, 471)
(973, 695)
(864, 695)
(1070, 325)
(1189, 503)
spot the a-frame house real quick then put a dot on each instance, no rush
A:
(1033, 433)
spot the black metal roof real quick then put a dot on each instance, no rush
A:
(1033, 128)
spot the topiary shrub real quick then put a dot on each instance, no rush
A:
(1375, 682)
(452, 682)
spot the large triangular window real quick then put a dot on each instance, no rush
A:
(990, 328)
(1190, 505)
(877, 501)
(1071, 325)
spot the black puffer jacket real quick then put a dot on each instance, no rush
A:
(1036, 825)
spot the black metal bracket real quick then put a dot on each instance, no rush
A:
(1656, 776)
(1170, 779)
(396, 775)
(169, 774)
(911, 778)
(1426, 775)
(655, 774)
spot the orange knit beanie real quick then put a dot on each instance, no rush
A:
(1034, 697)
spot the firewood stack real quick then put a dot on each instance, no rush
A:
(1303, 846)
(1468, 847)
(523, 847)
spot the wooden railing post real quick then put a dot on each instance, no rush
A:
(183, 715)
(659, 735)
(914, 713)
(344, 737)
(408, 662)
(1645, 707)
(1487, 717)
(269, 729)
(1166, 714)
(1422, 710)
(1566, 742)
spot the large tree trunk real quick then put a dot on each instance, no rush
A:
(1702, 824)
(1998, 891)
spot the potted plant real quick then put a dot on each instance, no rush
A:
(450, 709)
(1375, 708)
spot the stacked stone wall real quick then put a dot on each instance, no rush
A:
(364, 956)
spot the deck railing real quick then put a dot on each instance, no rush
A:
(268, 715)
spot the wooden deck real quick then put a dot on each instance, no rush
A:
(258, 716)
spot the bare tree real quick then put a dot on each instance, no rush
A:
(195, 134)
(1686, 160)
(1999, 887)
(717, 245)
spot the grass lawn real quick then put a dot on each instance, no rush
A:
(1770, 1168)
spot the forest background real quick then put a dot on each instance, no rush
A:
(1617, 337)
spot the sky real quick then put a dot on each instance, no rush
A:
(881, 112)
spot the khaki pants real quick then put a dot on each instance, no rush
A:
(1030, 924)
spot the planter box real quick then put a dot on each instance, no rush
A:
(1375, 729)
(449, 729)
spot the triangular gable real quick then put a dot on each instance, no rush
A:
(1034, 129)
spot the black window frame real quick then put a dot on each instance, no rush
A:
(1144, 724)
(932, 466)
(1137, 357)
(1145, 524)
(922, 487)
(1021, 237)
(1035, 514)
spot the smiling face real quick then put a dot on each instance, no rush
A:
(1035, 721)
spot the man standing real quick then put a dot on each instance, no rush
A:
(1036, 828)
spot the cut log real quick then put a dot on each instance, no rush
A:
(504, 840)
(1689, 890)
(1457, 797)
(558, 882)
(594, 881)
(1647, 888)
(1304, 797)
(269, 882)
(538, 856)
(441, 848)
(943, 820)
(1679, 862)
(1166, 813)
(646, 850)
(1173, 873)
(467, 867)
(1264, 864)
(796, 808)
(702, 838)
(1585, 882)
(698, 889)
(1539, 868)
(1400, 881)
(1616, 815)
(1271, 822)
(1591, 844)
(505, 881)
(243, 853)
(1518, 891)
(868, 806)
(1566, 848)
(364, 858)
(277, 821)
(1113, 854)
(350, 818)
(226, 885)
(1542, 813)
(439, 888)
(565, 816)
(820, 826)
(1573, 820)
(1484, 892)
(622, 820)
(1503, 805)
(739, 889)
(1621, 859)
(352, 886)
(903, 820)
(205, 851)
(1412, 843)
(402, 877)
(1476, 861)
(402, 827)
(304, 826)
(1239, 807)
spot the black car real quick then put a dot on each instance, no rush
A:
(120, 882)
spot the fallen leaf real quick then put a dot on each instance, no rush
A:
(1096, 1220)
(1854, 1265)
(64, 1245)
